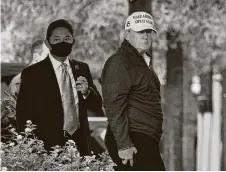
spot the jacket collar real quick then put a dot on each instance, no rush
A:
(132, 52)
(56, 64)
(52, 76)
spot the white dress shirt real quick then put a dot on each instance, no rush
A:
(58, 70)
(147, 59)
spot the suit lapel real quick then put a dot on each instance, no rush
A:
(52, 86)
(75, 68)
(76, 73)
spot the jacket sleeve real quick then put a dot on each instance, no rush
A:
(94, 100)
(116, 85)
(24, 102)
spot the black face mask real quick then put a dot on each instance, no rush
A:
(61, 49)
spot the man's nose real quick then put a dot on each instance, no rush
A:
(145, 34)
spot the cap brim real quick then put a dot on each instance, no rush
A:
(143, 28)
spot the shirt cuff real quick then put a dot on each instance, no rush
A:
(121, 149)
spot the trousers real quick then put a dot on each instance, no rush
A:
(147, 158)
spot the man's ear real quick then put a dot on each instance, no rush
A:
(122, 35)
(47, 44)
(126, 34)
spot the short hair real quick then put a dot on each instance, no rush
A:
(37, 45)
(56, 24)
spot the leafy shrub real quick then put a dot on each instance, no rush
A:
(8, 116)
(25, 152)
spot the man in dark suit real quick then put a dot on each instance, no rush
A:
(56, 92)
(131, 93)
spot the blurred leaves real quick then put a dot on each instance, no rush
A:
(24, 152)
(8, 114)
(201, 25)
(98, 23)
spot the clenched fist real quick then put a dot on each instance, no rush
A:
(82, 85)
(127, 155)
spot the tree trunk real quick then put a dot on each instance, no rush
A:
(190, 110)
(224, 121)
(173, 109)
(139, 5)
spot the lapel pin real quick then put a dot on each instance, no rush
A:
(76, 67)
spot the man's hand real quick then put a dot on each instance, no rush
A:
(127, 155)
(82, 85)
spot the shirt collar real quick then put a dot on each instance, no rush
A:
(56, 63)
(146, 57)
(135, 56)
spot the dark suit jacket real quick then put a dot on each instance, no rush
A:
(39, 100)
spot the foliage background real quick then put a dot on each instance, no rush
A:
(98, 23)
(24, 152)
(201, 26)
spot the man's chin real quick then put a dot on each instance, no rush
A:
(144, 50)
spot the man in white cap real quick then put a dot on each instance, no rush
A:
(131, 93)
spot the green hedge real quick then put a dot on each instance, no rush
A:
(24, 152)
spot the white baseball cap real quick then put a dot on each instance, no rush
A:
(139, 21)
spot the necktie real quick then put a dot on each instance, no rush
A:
(70, 114)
